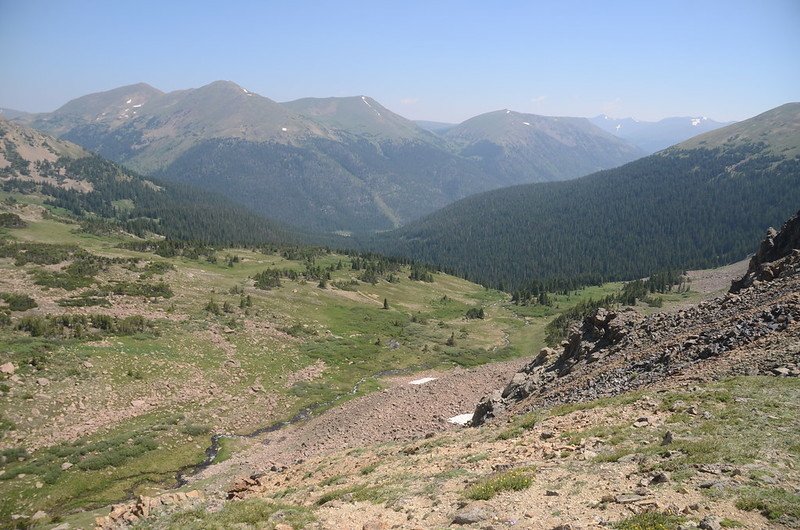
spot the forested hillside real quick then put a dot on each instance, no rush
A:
(683, 208)
(108, 197)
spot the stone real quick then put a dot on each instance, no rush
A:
(42, 381)
(283, 526)
(38, 516)
(668, 438)
(138, 403)
(628, 498)
(710, 522)
(8, 368)
(87, 364)
(374, 524)
(551, 493)
(66, 465)
(470, 515)
(659, 478)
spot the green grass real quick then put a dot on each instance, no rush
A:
(249, 513)
(514, 480)
(773, 503)
(376, 494)
(650, 521)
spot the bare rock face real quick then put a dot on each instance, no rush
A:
(777, 256)
(587, 343)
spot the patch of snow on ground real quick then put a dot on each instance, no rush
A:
(245, 91)
(422, 381)
(619, 126)
(364, 99)
(526, 123)
(461, 419)
(284, 129)
(129, 101)
(508, 112)
(696, 122)
(137, 106)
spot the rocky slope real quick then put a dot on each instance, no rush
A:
(616, 351)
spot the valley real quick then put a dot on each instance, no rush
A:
(98, 408)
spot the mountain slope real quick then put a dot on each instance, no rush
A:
(682, 208)
(522, 148)
(93, 189)
(329, 164)
(655, 136)
(360, 116)
(777, 128)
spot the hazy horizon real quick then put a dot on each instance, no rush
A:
(444, 62)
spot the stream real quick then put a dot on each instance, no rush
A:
(183, 474)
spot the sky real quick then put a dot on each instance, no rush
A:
(441, 60)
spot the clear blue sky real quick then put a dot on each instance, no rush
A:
(434, 59)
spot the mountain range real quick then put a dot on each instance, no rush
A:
(330, 164)
(704, 202)
(653, 136)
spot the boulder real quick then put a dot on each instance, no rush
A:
(8, 368)
(471, 514)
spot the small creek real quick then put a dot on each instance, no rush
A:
(183, 474)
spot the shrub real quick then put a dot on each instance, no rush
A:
(18, 302)
(11, 220)
(773, 503)
(514, 480)
(194, 429)
(650, 521)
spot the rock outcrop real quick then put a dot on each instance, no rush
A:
(125, 515)
(612, 351)
(778, 255)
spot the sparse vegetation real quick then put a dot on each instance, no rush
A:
(650, 521)
(514, 480)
